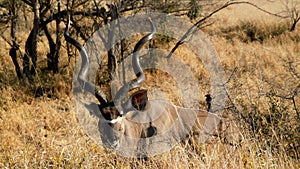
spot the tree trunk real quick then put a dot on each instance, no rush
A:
(15, 46)
(111, 56)
(53, 55)
(52, 45)
(31, 46)
(58, 42)
(295, 21)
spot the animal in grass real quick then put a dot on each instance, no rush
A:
(134, 125)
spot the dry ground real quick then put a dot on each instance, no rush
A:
(44, 132)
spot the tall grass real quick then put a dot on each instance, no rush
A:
(263, 60)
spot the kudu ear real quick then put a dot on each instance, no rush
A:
(139, 99)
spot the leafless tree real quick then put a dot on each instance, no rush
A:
(292, 10)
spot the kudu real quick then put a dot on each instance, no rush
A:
(137, 118)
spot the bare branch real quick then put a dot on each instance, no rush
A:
(201, 21)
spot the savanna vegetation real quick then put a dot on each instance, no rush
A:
(258, 43)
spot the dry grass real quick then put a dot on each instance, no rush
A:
(44, 133)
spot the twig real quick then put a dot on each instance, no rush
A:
(198, 23)
(295, 93)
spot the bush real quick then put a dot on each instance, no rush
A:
(274, 127)
(251, 32)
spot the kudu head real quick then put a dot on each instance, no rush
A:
(113, 110)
